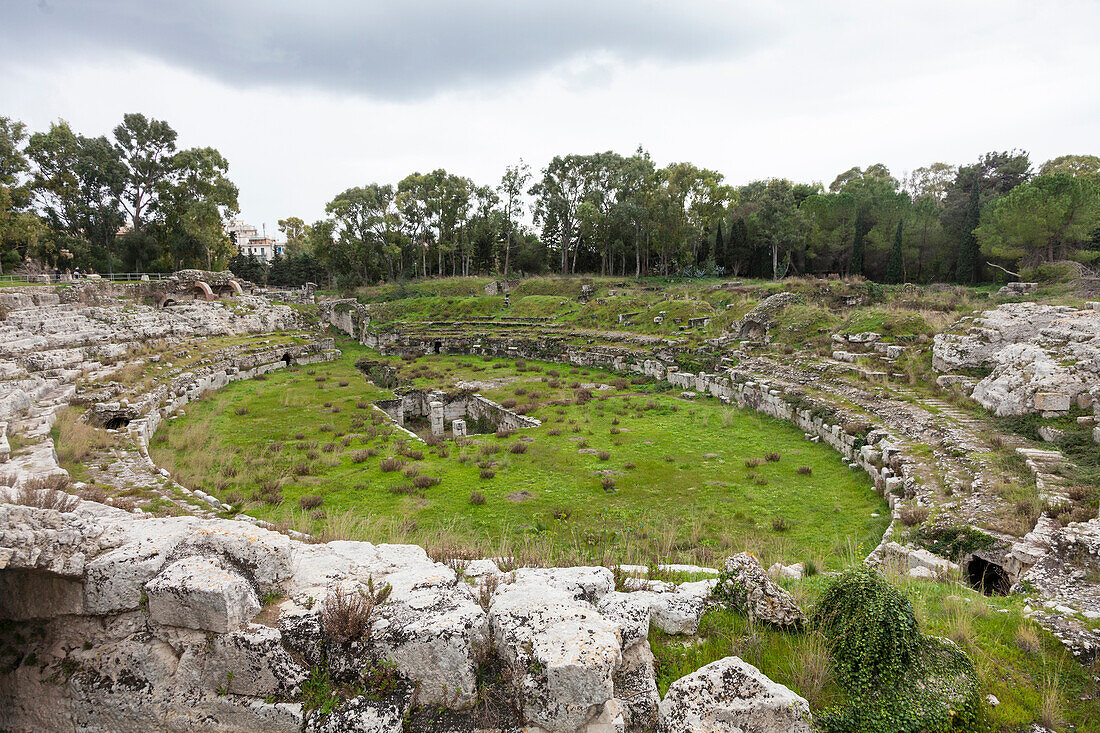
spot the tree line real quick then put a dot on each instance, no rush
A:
(602, 213)
(129, 202)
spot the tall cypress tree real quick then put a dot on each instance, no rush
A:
(857, 245)
(969, 267)
(895, 268)
(719, 247)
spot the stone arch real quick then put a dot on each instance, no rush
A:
(987, 577)
(236, 286)
(202, 291)
(287, 358)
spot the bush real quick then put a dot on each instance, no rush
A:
(488, 473)
(772, 457)
(603, 455)
(608, 484)
(753, 462)
(805, 470)
(476, 498)
(360, 456)
(518, 448)
(391, 464)
(310, 501)
(346, 615)
(423, 482)
(913, 515)
(780, 524)
(241, 411)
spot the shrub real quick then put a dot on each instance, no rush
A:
(488, 473)
(303, 469)
(310, 501)
(603, 455)
(805, 470)
(629, 466)
(411, 471)
(518, 448)
(343, 383)
(346, 615)
(391, 464)
(414, 455)
(913, 515)
(47, 493)
(504, 433)
(582, 396)
(476, 498)
(423, 482)
(780, 524)
(328, 447)
(608, 484)
(752, 462)
(772, 456)
(241, 411)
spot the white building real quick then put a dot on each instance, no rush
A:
(252, 242)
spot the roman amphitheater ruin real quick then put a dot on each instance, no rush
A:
(130, 601)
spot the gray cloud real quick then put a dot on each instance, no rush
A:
(393, 49)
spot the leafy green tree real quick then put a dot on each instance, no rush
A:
(1077, 165)
(77, 183)
(146, 148)
(895, 271)
(20, 228)
(366, 228)
(296, 232)
(1048, 219)
(196, 199)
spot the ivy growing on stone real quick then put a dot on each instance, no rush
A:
(895, 679)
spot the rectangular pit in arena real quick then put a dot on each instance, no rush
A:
(452, 415)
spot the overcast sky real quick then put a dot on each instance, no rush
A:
(308, 98)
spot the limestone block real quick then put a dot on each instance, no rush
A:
(731, 696)
(1051, 401)
(567, 650)
(198, 593)
(261, 666)
(359, 715)
(458, 428)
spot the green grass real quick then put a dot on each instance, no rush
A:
(1016, 660)
(670, 500)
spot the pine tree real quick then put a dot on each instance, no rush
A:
(857, 245)
(969, 267)
(895, 268)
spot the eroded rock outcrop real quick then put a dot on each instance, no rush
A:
(1043, 358)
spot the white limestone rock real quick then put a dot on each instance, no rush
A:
(260, 665)
(732, 696)
(566, 650)
(359, 715)
(198, 593)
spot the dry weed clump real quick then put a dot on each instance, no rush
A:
(518, 448)
(487, 473)
(310, 501)
(753, 462)
(914, 515)
(346, 615)
(476, 498)
(48, 492)
(391, 464)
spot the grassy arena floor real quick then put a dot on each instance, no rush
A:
(635, 474)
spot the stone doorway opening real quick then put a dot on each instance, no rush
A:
(987, 577)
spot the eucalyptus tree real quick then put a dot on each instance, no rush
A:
(19, 226)
(512, 186)
(196, 200)
(145, 147)
(76, 183)
(365, 233)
